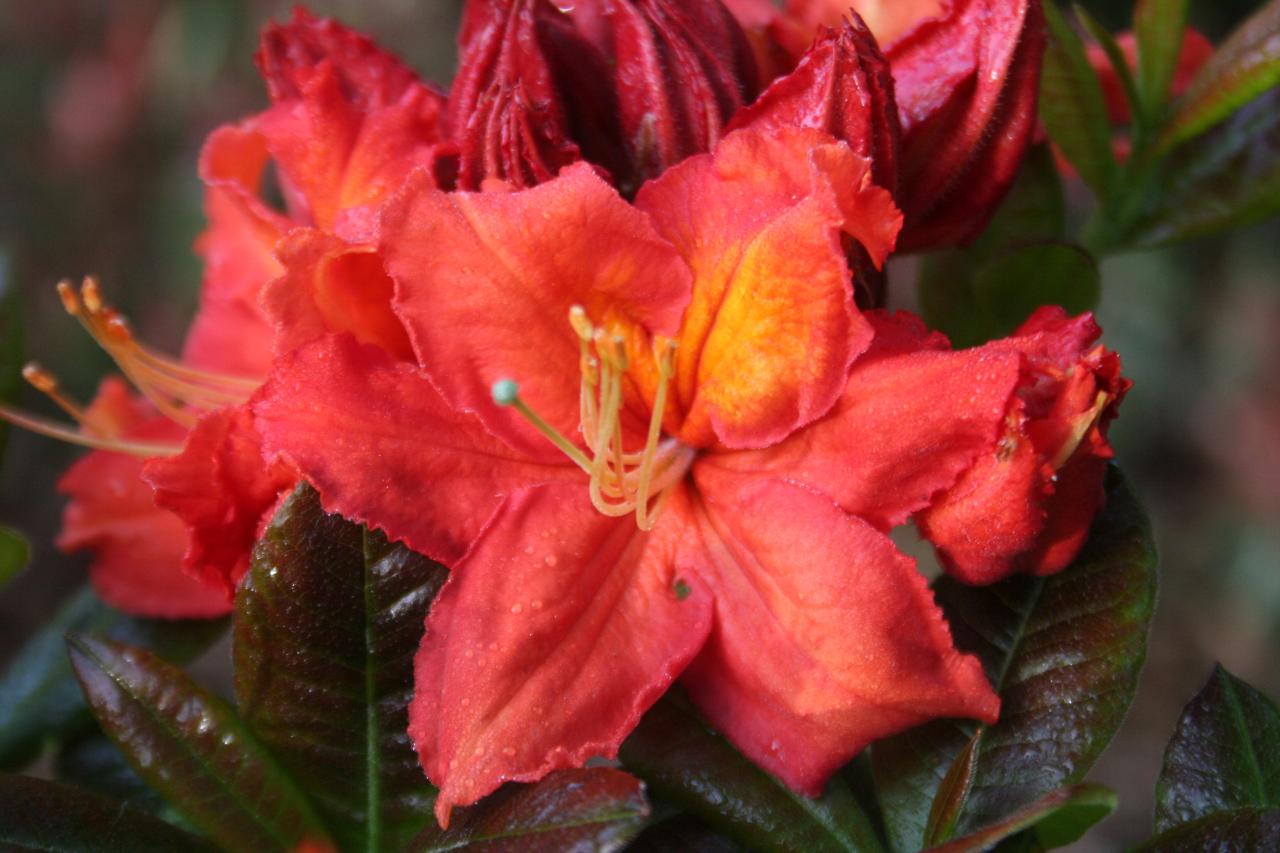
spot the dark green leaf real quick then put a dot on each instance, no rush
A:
(1158, 26)
(682, 760)
(1063, 652)
(1072, 107)
(953, 793)
(1242, 68)
(598, 809)
(1055, 820)
(973, 304)
(685, 833)
(39, 815)
(326, 626)
(39, 697)
(1225, 754)
(93, 762)
(190, 746)
(1238, 831)
(15, 553)
(1225, 179)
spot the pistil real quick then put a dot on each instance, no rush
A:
(620, 482)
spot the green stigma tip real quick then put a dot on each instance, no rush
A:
(505, 392)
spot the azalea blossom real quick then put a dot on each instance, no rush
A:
(655, 442)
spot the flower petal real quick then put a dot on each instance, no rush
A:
(224, 489)
(331, 286)
(484, 283)
(826, 637)
(137, 546)
(349, 121)
(381, 446)
(551, 638)
(912, 420)
(771, 329)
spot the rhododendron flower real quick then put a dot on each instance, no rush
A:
(966, 78)
(655, 442)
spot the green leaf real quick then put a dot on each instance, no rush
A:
(326, 626)
(1225, 179)
(1055, 820)
(1115, 56)
(15, 553)
(1064, 654)
(1237, 831)
(1158, 26)
(190, 746)
(1242, 68)
(36, 814)
(1072, 107)
(597, 809)
(685, 833)
(687, 763)
(1225, 754)
(39, 697)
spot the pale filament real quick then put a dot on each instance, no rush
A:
(180, 392)
(620, 482)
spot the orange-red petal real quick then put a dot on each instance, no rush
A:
(484, 283)
(771, 328)
(223, 489)
(382, 447)
(826, 637)
(551, 638)
(137, 546)
(912, 419)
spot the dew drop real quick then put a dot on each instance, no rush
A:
(775, 745)
(536, 604)
(551, 559)
(517, 607)
(508, 750)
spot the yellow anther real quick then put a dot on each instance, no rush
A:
(39, 378)
(70, 301)
(578, 320)
(91, 294)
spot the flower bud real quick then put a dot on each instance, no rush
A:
(682, 69)
(841, 86)
(506, 113)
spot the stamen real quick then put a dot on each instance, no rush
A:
(47, 384)
(182, 393)
(71, 435)
(621, 482)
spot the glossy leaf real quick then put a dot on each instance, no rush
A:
(15, 553)
(1158, 26)
(1064, 653)
(1236, 831)
(1055, 820)
(36, 814)
(1244, 66)
(684, 761)
(1225, 179)
(1225, 754)
(39, 697)
(326, 626)
(685, 833)
(190, 746)
(596, 809)
(1072, 107)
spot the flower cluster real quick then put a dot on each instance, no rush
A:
(585, 331)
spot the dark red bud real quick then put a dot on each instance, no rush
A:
(965, 125)
(682, 70)
(506, 113)
(841, 86)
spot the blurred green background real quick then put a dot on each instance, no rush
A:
(104, 104)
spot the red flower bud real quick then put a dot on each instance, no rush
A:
(841, 86)
(506, 114)
(681, 70)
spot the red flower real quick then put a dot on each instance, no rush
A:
(694, 478)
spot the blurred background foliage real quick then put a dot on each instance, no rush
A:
(103, 107)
